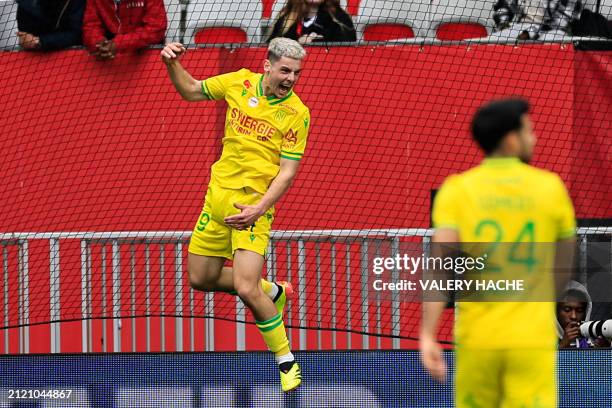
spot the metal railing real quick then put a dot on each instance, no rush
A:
(20, 246)
(339, 244)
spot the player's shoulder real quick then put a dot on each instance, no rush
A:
(295, 108)
(451, 183)
(538, 172)
(543, 176)
(455, 179)
(545, 183)
(248, 74)
(244, 77)
(528, 172)
(244, 72)
(296, 103)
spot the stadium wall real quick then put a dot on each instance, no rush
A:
(96, 146)
(109, 147)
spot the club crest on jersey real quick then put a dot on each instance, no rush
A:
(253, 101)
(280, 115)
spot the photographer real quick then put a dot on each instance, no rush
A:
(575, 307)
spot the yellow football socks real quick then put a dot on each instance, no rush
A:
(274, 334)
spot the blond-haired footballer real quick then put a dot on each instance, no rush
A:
(266, 128)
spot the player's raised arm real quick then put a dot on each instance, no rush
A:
(186, 85)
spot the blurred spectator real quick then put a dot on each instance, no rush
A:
(112, 26)
(532, 19)
(575, 308)
(48, 25)
(310, 21)
(591, 24)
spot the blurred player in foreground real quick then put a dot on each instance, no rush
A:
(505, 351)
(265, 136)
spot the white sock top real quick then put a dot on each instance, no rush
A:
(273, 292)
(285, 358)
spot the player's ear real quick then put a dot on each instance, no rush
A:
(267, 66)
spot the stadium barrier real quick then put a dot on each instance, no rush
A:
(113, 245)
(118, 266)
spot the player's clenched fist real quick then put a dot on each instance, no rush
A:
(172, 51)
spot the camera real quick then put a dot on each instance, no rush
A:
(596, 328)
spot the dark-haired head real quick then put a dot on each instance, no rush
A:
(502, 128)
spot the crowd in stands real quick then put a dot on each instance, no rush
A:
(111, 26)
(530, 20)
(108, 27)
(105, 27)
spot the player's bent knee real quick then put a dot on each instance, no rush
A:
(199, 279)
(197, 282)
(202, 281)
(248, 292)
(203, 273)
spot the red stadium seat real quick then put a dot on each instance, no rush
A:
(460, 31)
(387, 20)
(386, 32)
(352, 7)
(267, 7)
(221, 21)
(220, 35)
(460, 19)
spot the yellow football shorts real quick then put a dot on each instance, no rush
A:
(211, 237)
(510, 378)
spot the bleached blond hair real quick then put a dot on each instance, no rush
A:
(285, 47)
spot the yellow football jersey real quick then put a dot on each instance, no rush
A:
(259, 130)
(505, 201)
